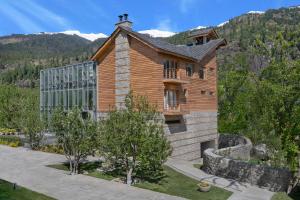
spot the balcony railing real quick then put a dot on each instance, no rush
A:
(171, 76)
(170, 73)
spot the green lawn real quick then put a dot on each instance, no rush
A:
(198, 166)
(178, 184)
(284, 196)
(174, 183)
(281, 196)
(8, 193)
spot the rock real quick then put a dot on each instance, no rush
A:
(261, 151)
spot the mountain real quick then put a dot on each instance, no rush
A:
(157, 33)
(241, 33)
(22, 56)
(88, 36)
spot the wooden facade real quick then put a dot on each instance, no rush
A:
(146, 71)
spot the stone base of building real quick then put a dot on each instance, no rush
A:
(191, 134)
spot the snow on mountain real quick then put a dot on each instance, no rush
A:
(88, 36)
(256, 12)
(223, 23)
(198, 27)
(157, 33)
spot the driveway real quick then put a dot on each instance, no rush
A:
(28, 169)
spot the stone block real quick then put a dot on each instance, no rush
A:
(123, 77)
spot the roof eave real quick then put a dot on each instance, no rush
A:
(217, 46)
(95, 55)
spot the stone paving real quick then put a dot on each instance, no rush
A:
(241, 191)
(28, 169)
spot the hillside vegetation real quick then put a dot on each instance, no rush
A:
(22, 56)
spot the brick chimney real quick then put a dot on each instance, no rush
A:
(123, 21)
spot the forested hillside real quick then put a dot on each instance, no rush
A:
(22, 56)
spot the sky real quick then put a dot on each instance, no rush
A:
(99, 16)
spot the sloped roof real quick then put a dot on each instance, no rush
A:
(200, 32)
(196, 52)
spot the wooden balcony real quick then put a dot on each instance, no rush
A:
(175, 81)
(171, 76)
(175, 110)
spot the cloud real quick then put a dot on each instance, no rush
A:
(40, 13)
(21, 20)
(185, 5)
(165, 25)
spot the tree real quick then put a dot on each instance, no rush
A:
(76, 135)
(133, 138)
(32, 123)
(11, 105)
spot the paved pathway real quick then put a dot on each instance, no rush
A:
(241, 191)
(28, 169)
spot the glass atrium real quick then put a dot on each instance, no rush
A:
(69, 86)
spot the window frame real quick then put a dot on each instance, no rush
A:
(190, 72)
(204, 73)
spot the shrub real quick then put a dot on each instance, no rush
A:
(7, 131)
(12, 141)
(52, 149)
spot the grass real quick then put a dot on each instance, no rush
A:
(174, 183)
(197, 165)
(180, 185)
(8, 193)
(281, 196)
(294, 195)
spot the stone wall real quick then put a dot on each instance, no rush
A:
(122, 70)
(234, 146)
(274, 179)
(186, 137)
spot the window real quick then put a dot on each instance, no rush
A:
(211, 69)
(174, 121)
(170, 99)
(201, 73)
(203, 91)
(170, 69)
(185, 92)
(211, 93)
(189, 69)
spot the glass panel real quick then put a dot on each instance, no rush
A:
(70, 99)
(80, 99)
(90, 100)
